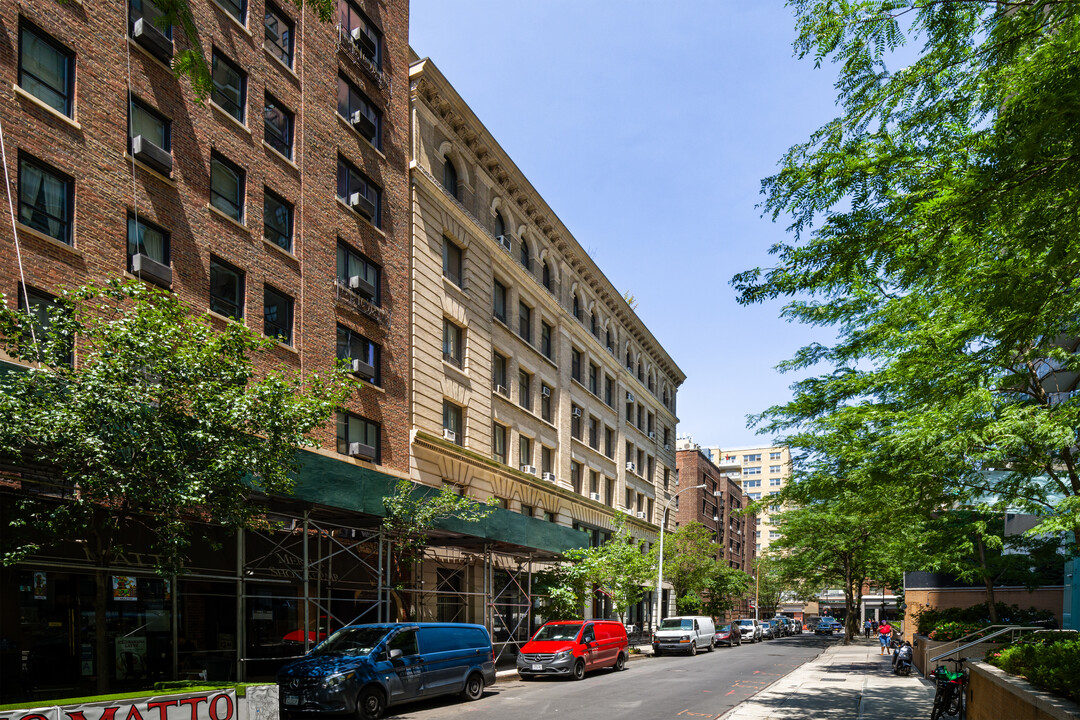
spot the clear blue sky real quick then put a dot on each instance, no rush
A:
(648, 127)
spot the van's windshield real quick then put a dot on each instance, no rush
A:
(351, 641)
(558, 632)
(677, 624)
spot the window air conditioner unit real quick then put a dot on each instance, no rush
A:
(641, 515)
(360, 450)
(594, 496)
(152, 40)
(362, 287)
(631, 467)
(362, 204)
(629, 396)
(549, 476)
(528, 469)
(575, 412)
(363, 125)
(667, 447)
(652, 436)
(149, 269)
(363, 369)
(545, 392)
(501, 389)
(504, 242)
(449, 434)
(151, 155)
(363, 41)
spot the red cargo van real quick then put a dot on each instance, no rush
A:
(573, 647)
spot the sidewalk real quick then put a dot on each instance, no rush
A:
(843, 683)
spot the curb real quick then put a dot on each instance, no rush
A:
(817, 657)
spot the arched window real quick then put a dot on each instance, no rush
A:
(652, 383)
(640, 372)
(526, 258)
(547, 275)
(577, 306)
(594, 326)
(500, 224)
(449, 177)
(667, 398)
(610, 344)
(629, 360)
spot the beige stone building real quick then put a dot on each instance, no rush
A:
(761, 471)
(533, 381)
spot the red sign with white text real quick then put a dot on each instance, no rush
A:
(211, 705)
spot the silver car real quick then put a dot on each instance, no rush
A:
(750, 630)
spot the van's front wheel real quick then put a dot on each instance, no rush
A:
(474, 687)
(693, 648)
(370, 704)
(578, 673)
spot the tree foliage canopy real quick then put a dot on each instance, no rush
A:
(617, 569)
(162, 421)
(701, 583)
(935, 227)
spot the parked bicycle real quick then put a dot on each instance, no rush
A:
(949, 700)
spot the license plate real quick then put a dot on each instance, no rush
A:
(537, 666)
(292, 699)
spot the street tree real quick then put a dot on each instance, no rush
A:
(701, 583)
(934, 229)
(618, 569)
(162, 426)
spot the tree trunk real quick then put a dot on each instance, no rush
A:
(101, 644)
(848, 610)
(988, 581)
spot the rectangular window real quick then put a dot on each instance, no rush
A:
(147, 239)
(525, 390)
(361, 113)
(278, 124)
(452, 420)
(279, 34)
(527, 510)
(667, 478)
(594, 379)
(651, 421)
(774, 468)
(575, 422)
(525, 322)
(147, 10)
(630, 413)
(452, 262)
(146, 122)
(362, 355)
(775, 482)
(752, 471)
(498, 301)
(498, 442)
(576, 475)
(609, 391)
(547, 459)
(524, 450)
(640, 416)
(358, 192)
(545, 340)
(42, 308)
(609, 495)
(359, 274)
(754, 496)
(227, 187)
(358, 437)
(609, 442)
(277, 220)
(277, 315)
(775, 455)
(46, 199)
(640, 462)
(498, 374)
(226, 289)
(751, 483)
(594, 432)
(594, 481)
(46, 68)
(453, 352)
(650, 465)
(230, 86)
(629, 499)
(236, 8)
(575, 364)
(546, 403)
(364, 33)
(751, 458)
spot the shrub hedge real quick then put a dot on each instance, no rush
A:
(1049, 661)
(929, 619)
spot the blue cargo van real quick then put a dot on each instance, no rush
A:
(363, 669)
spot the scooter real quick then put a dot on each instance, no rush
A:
(902, 657)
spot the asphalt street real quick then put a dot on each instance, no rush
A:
(700, 687)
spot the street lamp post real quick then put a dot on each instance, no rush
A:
(660, 573)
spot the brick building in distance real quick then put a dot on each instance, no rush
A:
(716, 506)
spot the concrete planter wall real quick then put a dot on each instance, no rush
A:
(994, 694)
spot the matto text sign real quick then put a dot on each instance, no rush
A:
(212, 705)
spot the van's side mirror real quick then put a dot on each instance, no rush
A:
(395, 654)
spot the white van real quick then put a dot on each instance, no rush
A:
(688, 633)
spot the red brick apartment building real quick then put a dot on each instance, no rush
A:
(293, 220)
(716, 507)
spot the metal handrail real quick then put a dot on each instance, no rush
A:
(983, 638)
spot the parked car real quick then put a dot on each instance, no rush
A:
(826, 626)
(750, 630)
(767, 631)
(728, 634)
(687, 634)
(363, 669)
(796, 627)
(779, 627)
(571, 648)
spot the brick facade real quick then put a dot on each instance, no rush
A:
(91, 147)
(734, 532)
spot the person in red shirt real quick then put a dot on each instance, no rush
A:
(884, 634)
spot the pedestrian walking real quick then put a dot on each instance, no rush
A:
(884, 635)
(867, 627)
